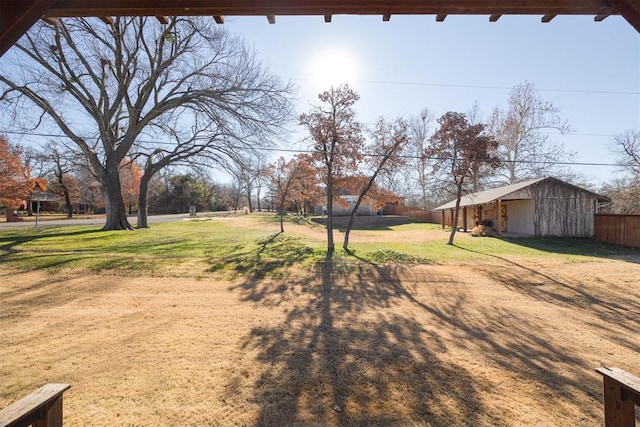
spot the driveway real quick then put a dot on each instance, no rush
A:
(98, 220)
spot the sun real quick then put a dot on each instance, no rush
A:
(333, 67)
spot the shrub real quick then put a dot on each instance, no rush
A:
(480, 231)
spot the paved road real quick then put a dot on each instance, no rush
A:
(98, 221)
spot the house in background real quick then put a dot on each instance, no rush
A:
(344, 205)
(50, 202)
(538, 207)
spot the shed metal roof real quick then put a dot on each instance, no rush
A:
(508, 192)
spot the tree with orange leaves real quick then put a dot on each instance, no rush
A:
(337, 139)
(14, 187)
(306, 193)
(130, 174)
(460, 148)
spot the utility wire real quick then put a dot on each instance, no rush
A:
(401, 156)
(463, 86)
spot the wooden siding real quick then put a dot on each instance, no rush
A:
(621, 230)
(562, 210)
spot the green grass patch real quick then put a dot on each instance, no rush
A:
(469, 249)
(269, 256)
(189, 248)
(158, 250)
(196, 248)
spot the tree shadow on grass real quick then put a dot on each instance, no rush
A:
(271, 255)
(583, 247)
(9, 244)
(361, 348)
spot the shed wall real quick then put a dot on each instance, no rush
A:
(563, 210)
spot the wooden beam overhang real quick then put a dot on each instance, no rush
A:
(163, 20)
(17, 16)
(547, 18)
(630, 10)
(218, 19)
(60, 8)
(50, 21)
(327, 18)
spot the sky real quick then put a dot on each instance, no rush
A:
(590, 70)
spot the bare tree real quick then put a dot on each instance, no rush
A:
(60, 164)
(524, 147)
(110, 86)
(259, 171)
(203, 147)
(337, 139)
(627, 146)
(459, 147)
(474, 115)
(248, 172)
(624, 194)
(419, 128)
(283, 176)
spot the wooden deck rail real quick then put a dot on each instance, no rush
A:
(42, 408)
(621, 394)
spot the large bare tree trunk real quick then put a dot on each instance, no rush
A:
(330, 244)
(282, 201)
(67, 200)
(249, 201)
(113, 202)
(143, 203)
(65, 192)
(454, 223)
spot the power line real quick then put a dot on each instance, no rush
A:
(51, 135)
(408, 157)
(463, 86)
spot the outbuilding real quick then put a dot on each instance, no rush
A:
(538, 207)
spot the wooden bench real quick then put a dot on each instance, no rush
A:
(621, 394)
(42, 408)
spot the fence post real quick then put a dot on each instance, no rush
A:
(42, 408)
(621, 394)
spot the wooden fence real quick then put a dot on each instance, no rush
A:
(618, 229)
(417, 215)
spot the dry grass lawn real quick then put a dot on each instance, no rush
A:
(494, 342)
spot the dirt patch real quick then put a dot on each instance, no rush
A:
(495, 343)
